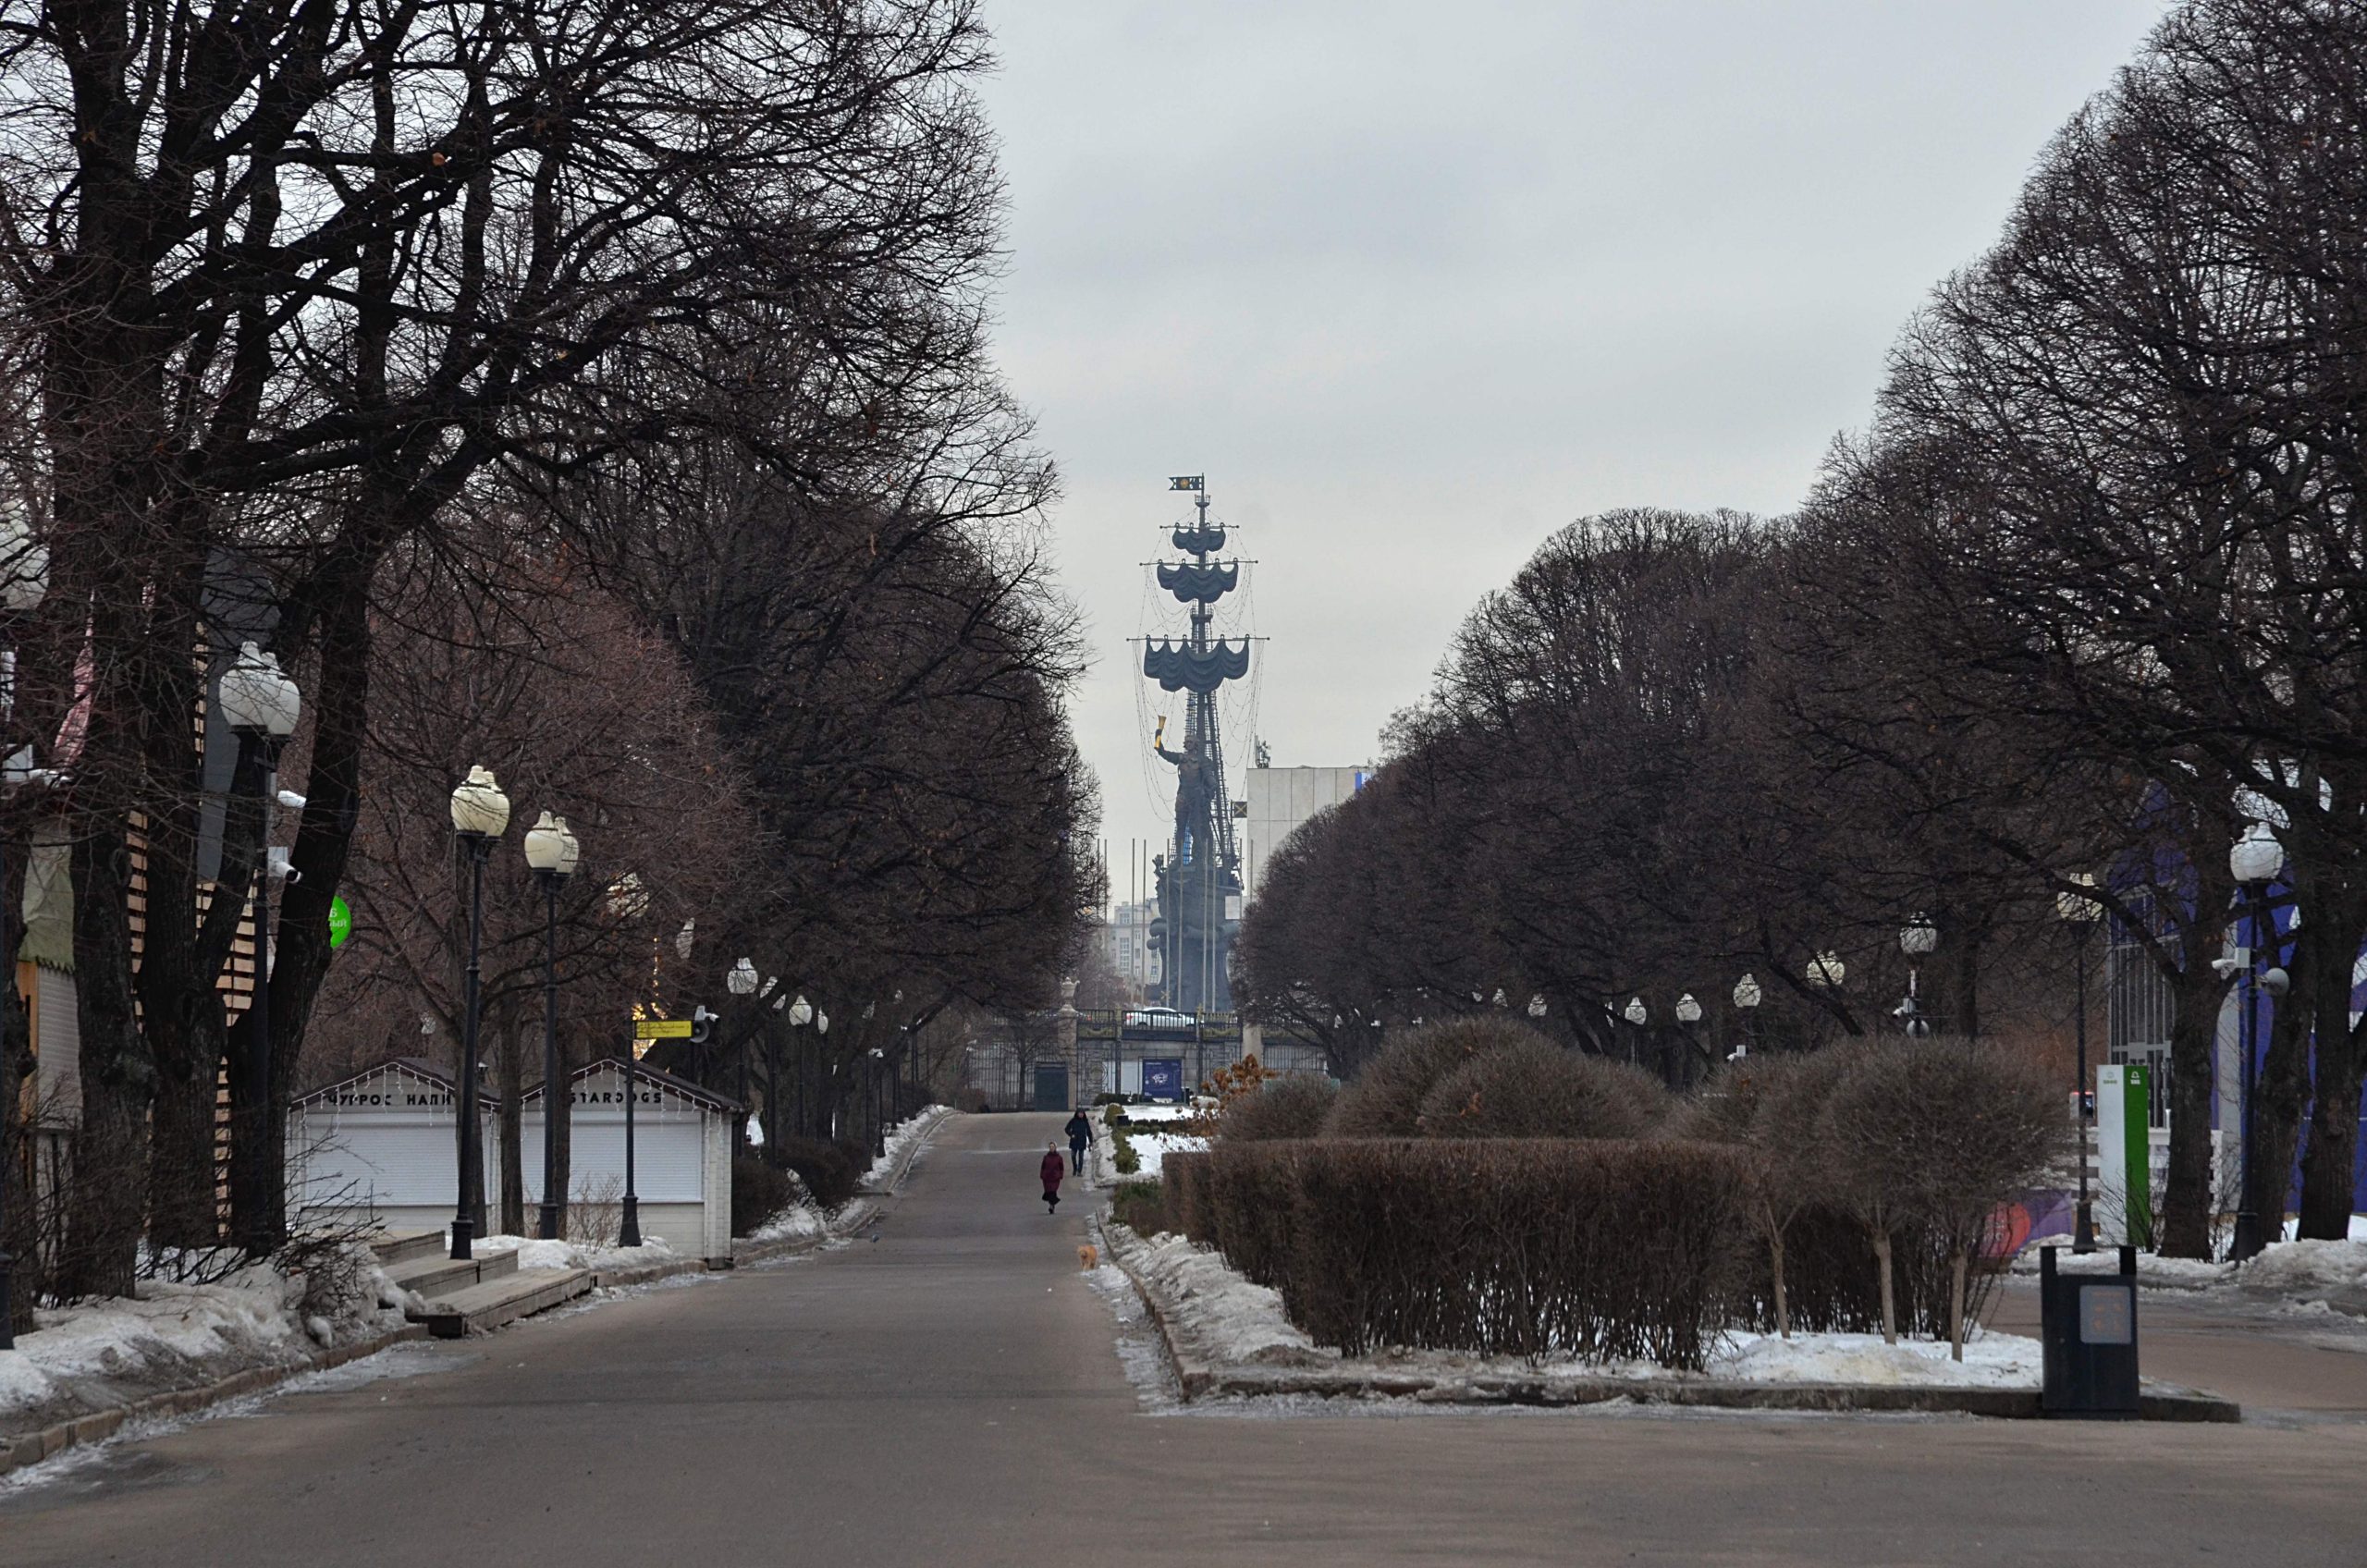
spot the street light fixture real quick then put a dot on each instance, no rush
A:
(1748, 996)
(1918, 939)
(262, 705)
(1537, 1005)
(1826, 971)
(2256, 859)
(551, 852)
(2081, 913)
(480, 814)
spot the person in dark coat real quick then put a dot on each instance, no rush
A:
(1052, 1169)
(1079, 1131)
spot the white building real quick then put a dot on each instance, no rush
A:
(1132, 952)
(1278, 799)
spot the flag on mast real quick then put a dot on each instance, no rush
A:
(1188, 481)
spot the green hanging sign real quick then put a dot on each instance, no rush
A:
(340, 922)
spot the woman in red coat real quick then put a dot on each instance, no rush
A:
(1052, 1169)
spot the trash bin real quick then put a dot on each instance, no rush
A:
(2087, 1327)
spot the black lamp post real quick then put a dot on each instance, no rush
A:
(1636, 1014)
(2255, 859)
(1748, 996)
(2082, 912)
(552, 851)
(260, 704)
(25, 561)
(1688, 1013)
(1918, 939)
(480, 814)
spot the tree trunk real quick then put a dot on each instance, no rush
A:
(513, 1113)
(1889, 1291)
(1783, 1297)
(1955, 1302)
(2329, 1166)
(108, 1202)
(2195, 990)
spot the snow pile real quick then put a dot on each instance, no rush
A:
(2308, 1266)
(173, 1335)
(1991, 1361)
(1219, 1312)
(799, 1221)
(533, 1253)
(902, 1136)
(1151, 1149)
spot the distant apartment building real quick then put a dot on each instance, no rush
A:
(1132, 952)
(1278, 800)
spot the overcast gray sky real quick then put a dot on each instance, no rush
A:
(1416, 284)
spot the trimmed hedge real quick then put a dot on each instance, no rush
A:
(1295, 1106)
(1598, 1249)
(1532, 1088)
(1385, 1099)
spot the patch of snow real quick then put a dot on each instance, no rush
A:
(2308, 1266)
(902, 1136)
(534, 1254)
(1224, 1315)
(799, 1219)
(171, 1333)
(1991, 1361)
(1151, 1149)
(2358, 1221)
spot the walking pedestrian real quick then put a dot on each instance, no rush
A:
(1052, 1169)
(1079, 1131)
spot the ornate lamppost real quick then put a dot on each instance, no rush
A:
(2081, 913)
(1688, 1013)
(1636, 1014)
(1748, 996)
(480, 814)
(551, 851)
(1917, 939)
(2255, 859)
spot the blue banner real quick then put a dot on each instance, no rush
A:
(1164, 1080)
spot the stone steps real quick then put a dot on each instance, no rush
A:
(489, 1305)
(436, 1275)
(403, 1246)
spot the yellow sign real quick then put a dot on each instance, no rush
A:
(661, 1028)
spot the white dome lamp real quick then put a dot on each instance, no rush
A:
(743, 980)
(1537, 1005)
(801, 1012)
(1919, 938)
(258, 699)
(480, 810)
(1687, 1009)
(551, 848)
(1826, 971)
(1635, 1011)
(2257, 857)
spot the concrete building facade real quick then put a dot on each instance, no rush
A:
(1278, 799)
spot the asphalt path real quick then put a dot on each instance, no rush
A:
(959, 1392)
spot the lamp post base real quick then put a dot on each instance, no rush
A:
(628, 1230)
(2083, 1227)
(461, 1233)
(2249, 1240)
(549, 1227)
(8, 1300)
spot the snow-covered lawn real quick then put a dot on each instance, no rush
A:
(172, 1334)
(1224, 1317)
(1152, 1147)
(2288, 1268)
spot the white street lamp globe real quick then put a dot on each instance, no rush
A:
(550, 848)
(821, 1022)
(1919, 938)
(479, 808)
(1635, 1013)
(1687, 1009)
(1826, 971)
(1500, 996)
(741, 981)
(1746, 993)
(2257, 857)
(627, 899)
(257, 696)
(1537, 1005)
(801, 1012)
(686, 937)
(2076, 908)
(24, 565)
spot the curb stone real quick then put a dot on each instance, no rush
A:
(1200, 1377)
(32, 1448)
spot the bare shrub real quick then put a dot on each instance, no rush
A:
(1141, 1207)
(1936, 1135)
(1183, 1182)
(1768, 1107)
(1286, 1107)
(596, 1213)
(1592, 1249)
(1385, 1099)
(1531, 1088)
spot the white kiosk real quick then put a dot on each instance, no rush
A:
(681, 1153)
(380, 1145)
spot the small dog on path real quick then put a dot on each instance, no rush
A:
(1087, 1257)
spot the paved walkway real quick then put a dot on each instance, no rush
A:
(948, 1395)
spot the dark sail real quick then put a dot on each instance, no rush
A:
(1178, 666)
(1201, 539)
(1189, 582)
